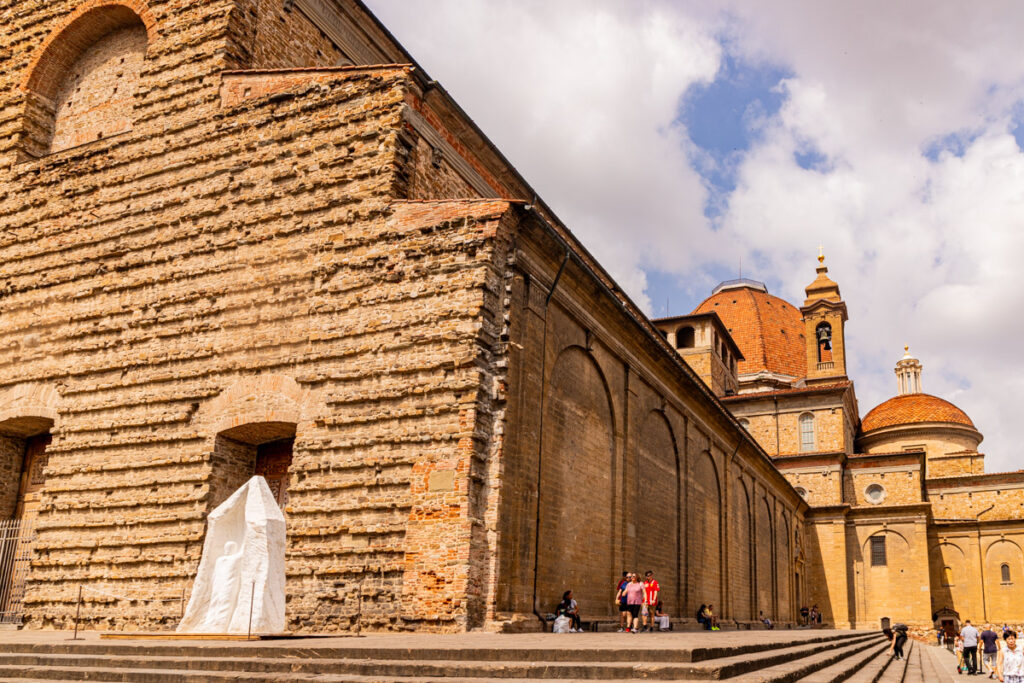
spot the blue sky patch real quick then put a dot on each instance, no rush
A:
(725, 117)
(955, 143)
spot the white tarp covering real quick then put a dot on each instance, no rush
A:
(243, 558)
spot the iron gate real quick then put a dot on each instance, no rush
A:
(17, 538)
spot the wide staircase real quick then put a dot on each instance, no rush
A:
(821, 657)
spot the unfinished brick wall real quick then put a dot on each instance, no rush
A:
(266, 35)
(12, 455)
(96, 97)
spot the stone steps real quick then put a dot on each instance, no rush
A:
(831, 658)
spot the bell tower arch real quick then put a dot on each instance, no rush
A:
(824, 314)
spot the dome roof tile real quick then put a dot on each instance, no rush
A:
(768, 330)
(913, 409)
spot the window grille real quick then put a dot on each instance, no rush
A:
(1005, 573)
(878, 558)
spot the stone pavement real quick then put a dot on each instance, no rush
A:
(944, 664)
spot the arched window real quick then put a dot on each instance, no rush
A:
(823, 333)
(806, 433)
(802, 492)
(1004, 572)
(82, 87)
(947, 576)
(684, 337)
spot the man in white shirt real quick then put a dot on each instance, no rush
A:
(970, 636)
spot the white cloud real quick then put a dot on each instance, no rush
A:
(582, 98)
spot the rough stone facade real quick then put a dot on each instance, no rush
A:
(264, 247)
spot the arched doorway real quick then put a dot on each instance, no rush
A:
(260, 448)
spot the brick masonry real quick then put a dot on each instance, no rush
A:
(272, 239)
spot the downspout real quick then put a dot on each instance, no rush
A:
(540, 435)
(778, 446)
(981, 564)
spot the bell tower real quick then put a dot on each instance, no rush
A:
(824, 315)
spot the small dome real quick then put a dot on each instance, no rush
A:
(768, 331)
(913, 409)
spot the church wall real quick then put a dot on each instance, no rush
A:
(827, 567)
(954, 565)
(12, 456)
(147, 319)
(1004, 599)
(179, 79)
(654, 413)
(658, 500)
(901, 484)
(937, 443)
(776, 426)
(740, 552)
(430, 174)
(900, 589)
(994, 496)
(974, 555)
(956, 465)
(823, 482)
(273, 37)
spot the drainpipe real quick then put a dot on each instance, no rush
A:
(540, 435)
(981, 565)
(778, 446)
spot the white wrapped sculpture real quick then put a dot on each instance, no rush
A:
(242, 566)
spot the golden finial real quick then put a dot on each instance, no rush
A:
(821, 254)
(906, 348)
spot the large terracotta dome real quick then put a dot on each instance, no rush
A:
(768, 330)
(913, 409)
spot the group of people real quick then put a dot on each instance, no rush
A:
(639, 604)
(809, 616)
(1001, 656)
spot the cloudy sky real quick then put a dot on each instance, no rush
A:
(679, 140)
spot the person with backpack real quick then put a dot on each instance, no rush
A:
(899, 639)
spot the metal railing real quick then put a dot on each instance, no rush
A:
(17, 540)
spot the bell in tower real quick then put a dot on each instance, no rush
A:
(824, 315)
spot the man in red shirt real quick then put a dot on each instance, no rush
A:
(651, 592)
